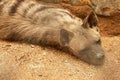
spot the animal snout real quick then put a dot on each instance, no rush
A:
(93, 55)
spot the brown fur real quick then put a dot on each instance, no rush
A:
(45, 24)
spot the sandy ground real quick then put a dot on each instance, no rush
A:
(31, 62)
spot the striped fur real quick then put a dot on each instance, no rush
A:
(37, 23)
(28, 21)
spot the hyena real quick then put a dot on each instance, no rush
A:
(41, 24)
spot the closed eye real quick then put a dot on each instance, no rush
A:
(98, 42)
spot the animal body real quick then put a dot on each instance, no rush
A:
(32, 22)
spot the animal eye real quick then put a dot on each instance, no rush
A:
(97, 30)
(98, 42)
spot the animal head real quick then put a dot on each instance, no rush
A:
(85, 42)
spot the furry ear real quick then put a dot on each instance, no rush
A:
(90, 21)
(65, 37)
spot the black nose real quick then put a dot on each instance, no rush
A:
(100, 56)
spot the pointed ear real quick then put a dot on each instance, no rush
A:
(65, 37)
(90, 21)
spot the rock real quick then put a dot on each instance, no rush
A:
(75, 2)
(32, 46)
(106, 7)
(44, 53)
(80, 2)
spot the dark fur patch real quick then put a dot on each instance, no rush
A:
(41, 9)
(27, 9)
(13, 37)
(15, 6)
(65, 37)
(1, 7)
